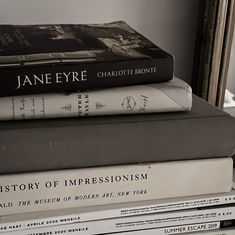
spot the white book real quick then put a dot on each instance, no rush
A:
(196, 229)
(212, 228)
(156, 231)
(84, 214)
(135, 223)
(38, 191)
(175, 95)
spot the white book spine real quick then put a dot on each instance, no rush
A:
(192, 229)
(83, 230)
(30, 192)
(66, 216)
(180, 229)
(133, 223)
(162, 97)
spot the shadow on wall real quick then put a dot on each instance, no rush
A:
(170, 24)
(231, 71)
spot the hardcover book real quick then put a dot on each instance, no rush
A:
(38, 191)
(39, 145)
(50, 58)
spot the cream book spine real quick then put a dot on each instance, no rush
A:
(172, 96)
(38, 191)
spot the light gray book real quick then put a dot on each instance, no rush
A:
(39, 191)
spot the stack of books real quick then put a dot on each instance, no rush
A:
(165, 168)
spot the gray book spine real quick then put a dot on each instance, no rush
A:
(204, 132)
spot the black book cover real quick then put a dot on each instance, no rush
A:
(46, 58)
(39, 145)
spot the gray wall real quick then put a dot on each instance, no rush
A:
(171, 24)
(231, 71)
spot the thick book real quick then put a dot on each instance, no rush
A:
(20, 193)
(172, 96)
(83, 214)
(217, 217)
(39, 145)
(50, 58)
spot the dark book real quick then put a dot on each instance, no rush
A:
(39, 145)
(204, 47)
(46, 58)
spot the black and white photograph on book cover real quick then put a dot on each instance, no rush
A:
(32, 44)
(63, 54)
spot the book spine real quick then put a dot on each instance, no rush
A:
(133, 223)
(125, 100)
(73, 77)
(213, 228)
(66, 216)
(43, 144)
(84, 230)
(30, 192)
